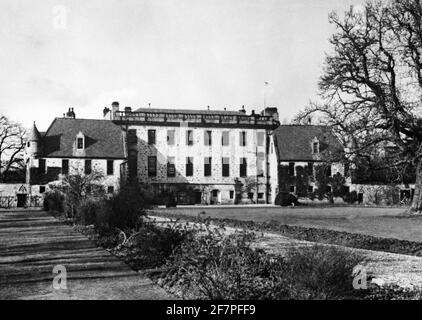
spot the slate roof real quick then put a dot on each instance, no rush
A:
(34, 134)
(294, 142)
(190, 111)
(103, 139)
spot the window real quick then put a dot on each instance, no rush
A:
(242, 138)
(207, 166)
(207, 138)
(110, 167)
(170, 137)
(346, 169)
(310, 189)
(110, 189)
(151, 136)
(226, 167)
(42, 189)
(292, 189)
(310, 169)
(132, 163)
(189, 166)
(28, 144)
(243, 167)
(260, 195)
(225, 138)
(328, 170)
(80, 143)
(231, 194)
(291, 169)
(261, 139)
(328, 188)
(189, 138)
(65, 166)
(152, 166)
(171, 167)
(260, 164)
(315, 147)
(88, 166)
(41, 166)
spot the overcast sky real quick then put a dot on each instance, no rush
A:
(173, 54)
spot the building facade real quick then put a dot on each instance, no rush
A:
(302, 153)
(74, 146)
(200, 156)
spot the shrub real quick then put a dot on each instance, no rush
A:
(150, 245)
(320, 272)
(91, 211)
(128, 206)
(54, 201)
(171, 200)
(285, 199)
(210, 266)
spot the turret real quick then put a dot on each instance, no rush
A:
(33, 144)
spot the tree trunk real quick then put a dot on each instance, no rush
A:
(416, 207)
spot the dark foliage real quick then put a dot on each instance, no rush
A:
(285, 199)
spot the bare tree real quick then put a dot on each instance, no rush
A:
(12, 144)
(371, 87)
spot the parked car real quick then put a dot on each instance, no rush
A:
(285, 199)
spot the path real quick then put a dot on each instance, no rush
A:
(32, 243)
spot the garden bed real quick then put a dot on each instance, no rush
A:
(353, 240)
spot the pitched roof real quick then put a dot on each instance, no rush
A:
(34, 134)
(103, 139)
(190, 111)
(294, 142)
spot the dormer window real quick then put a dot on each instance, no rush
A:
(315, 146)
(80, 141)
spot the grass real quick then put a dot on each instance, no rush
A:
(377, 222)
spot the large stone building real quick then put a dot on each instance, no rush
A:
(300, 150)
(201, 156)
(72, 146)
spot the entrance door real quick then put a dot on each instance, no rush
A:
(22, 200)
(198, 197)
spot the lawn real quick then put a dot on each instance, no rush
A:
(378, 222)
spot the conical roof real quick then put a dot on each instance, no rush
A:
(34, 134)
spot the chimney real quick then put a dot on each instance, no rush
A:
(243, 110)
(70, 114)
(114, 109)
(105, 113)
(271, 112)
(208, 108)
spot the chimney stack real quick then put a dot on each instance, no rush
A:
(70, 114)
(243, 110)
(114, 109)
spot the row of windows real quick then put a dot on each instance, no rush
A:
(110, 189)
(225, 166)
(225, 138)
(309, 169)
(87, 166)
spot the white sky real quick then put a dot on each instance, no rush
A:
(173, 54)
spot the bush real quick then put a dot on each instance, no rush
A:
(211, 265)
(285, 199)
(91, 211)
(150, 245)
(171, 200)
(54, 201)
(320, 272)
(128, 206)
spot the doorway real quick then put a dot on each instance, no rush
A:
(22, 200)
(197, 197)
